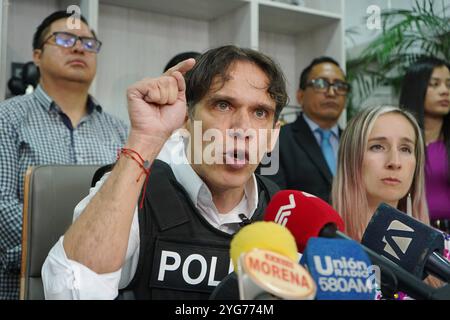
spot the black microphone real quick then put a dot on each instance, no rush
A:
(227, 289)
(407, 242)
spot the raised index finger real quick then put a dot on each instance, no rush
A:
(182, 67)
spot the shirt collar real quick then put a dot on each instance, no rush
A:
(314, 126)
(49, 105)
(174, 154)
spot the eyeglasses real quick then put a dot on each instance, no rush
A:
(69, 40)
(322, 85)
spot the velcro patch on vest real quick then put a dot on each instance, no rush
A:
(193, 266)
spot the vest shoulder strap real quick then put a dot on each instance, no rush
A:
(163, 196)
(268, 185)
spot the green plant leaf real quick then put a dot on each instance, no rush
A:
(406, 36)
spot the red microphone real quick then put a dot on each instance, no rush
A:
(304, 215)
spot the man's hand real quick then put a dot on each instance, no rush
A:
(157, 107)
(99, 238)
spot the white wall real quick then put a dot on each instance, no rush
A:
(355, 17)
(158, 37)
(24, 17)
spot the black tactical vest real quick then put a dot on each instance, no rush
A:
(181, 255)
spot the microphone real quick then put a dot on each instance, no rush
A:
(248, 239)
(264, 255)
(341, 269)
(304, 215)
(407, 242)
(308, 216)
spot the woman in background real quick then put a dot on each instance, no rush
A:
(381, 158)
(426, 94)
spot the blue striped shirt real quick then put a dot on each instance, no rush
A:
(34, 131)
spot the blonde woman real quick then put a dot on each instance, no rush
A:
(381, 159)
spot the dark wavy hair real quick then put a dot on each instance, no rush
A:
(217, 62)
(414, 91)
(181, 57)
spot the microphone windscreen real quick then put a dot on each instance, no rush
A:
(267, 275)
(402, 239)
(263, 235)
(340, 268)
(303, 214)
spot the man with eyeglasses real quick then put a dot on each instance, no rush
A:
(308, 147)
(59, 123)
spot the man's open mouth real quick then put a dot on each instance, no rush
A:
(236, 158)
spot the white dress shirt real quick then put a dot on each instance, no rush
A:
(67, 279)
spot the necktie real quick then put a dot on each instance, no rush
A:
(327, 149)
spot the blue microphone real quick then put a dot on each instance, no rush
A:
(341, 269)
(413, 245)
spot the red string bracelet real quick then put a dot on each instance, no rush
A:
(144, 164)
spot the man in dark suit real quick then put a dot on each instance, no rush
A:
(308, 147)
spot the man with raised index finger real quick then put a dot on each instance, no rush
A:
(160, 229)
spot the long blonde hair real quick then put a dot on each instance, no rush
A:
(349, 196)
